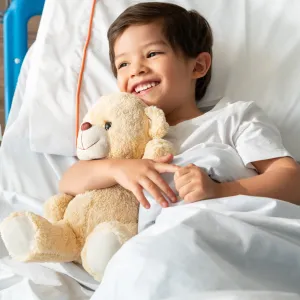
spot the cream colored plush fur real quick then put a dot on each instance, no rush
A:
(92, 226)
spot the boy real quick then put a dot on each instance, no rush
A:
(162, 53)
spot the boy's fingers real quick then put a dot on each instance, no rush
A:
(138, 193)
(183, 180)
(165, 168)
(152, 189)
(163, 186)
(181, 172)
(185, 190)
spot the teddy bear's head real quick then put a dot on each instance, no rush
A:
(119, 126)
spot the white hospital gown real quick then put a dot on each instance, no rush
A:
(224, 142)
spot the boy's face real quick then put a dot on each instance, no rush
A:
(148, 67)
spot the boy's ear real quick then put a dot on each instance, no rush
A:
(202, 65)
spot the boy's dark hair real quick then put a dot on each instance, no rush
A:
(186, 31)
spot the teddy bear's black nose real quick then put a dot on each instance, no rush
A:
(86, 126)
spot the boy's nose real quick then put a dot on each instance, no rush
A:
(138, 70)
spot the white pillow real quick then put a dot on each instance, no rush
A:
(256, 57)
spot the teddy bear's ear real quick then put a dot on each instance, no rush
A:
(158, 124)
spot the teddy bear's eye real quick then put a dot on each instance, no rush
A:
(107, 125)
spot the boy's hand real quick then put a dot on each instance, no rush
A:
(138, 174)
(193, 184)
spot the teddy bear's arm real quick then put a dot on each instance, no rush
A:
(157, 148)
(54, 208)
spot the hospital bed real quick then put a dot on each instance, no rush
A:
(200, 251)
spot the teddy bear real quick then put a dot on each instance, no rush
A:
(91, 227)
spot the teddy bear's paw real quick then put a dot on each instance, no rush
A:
(157, 148)
(18, 234)
(99, 248)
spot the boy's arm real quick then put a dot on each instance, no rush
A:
(134, 175)
(87, 175)
(278, 178)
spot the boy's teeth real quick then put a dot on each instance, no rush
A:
(143, 87)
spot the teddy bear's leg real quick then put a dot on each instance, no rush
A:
(29, 237)
(55, 207)
(102, 243)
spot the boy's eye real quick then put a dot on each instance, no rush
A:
(122, 65)
(152, 54)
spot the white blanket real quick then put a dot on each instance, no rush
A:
(231, 248)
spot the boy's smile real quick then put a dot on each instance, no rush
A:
(143, 87)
